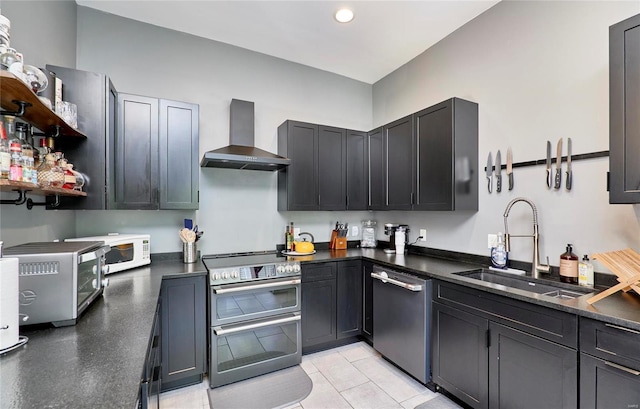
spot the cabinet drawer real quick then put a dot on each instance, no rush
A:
(320, 271)
(547, 323)
(610, 342)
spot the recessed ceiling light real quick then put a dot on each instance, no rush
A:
(343, 15)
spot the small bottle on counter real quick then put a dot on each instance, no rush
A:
(499, 254)
(569, 266)
(585, 272)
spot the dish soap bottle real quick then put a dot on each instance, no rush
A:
(569, 266)
(499, 253)
(585, 272)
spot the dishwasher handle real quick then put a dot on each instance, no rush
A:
(386, 279)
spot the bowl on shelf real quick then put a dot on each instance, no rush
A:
(35, 78)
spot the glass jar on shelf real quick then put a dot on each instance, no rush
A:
(49, 173)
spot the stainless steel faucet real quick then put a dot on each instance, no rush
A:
(536, 267)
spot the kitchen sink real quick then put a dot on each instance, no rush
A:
(537, 286)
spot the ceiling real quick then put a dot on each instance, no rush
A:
(383, 36)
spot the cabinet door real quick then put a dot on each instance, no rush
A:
(349, 304)
(460, 356)
(604, 384)
(332, 158)
(367, 300)
(434, 144)
(530, 372)
(297, 188)
(178, 149)
(183, 331)
(318, 312)
(400, 163)
(136, 153)
(356, 170)
(376, 160)
(624, 105)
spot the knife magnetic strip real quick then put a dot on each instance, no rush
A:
(582, 156)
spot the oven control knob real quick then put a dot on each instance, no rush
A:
(235, 274)
(280, 268)
(296, 268)
(216, 276)
(225, 275)
(289, 268)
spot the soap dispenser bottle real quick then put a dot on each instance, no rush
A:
(569, 266)
(585, 272)
(499, 253)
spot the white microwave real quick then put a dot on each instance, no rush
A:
(127, 250)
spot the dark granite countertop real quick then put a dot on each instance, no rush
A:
(98, 362)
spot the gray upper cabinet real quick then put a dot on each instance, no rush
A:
(447, 156)
(399, 163)
(97, 99)
(624, 105)
(376, 163)
(332, 168)
(156, 154)
(297, 189)
(357, 186)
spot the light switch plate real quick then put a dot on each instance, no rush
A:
(296, 232)
(423, 234)
(492, 240)
(354, 231)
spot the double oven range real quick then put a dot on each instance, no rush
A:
(254, 315)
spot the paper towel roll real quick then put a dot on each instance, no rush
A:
(9, 291)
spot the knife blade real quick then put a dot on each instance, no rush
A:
(510, 167)
(498, 172)
(549, 164)
(489, 172)
(569, 173)
(558, 178)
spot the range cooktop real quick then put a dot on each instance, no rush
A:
(241, 267)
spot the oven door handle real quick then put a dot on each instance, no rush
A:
(220, 331)
(385, 279)
(220, 290)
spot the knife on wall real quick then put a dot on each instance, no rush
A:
(549, 164)
(510, 168)
(569, 173)
(498, 172)
(489, 172)
(558, 178)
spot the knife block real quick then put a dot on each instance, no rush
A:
(337, 242)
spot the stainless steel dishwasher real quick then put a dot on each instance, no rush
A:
(402, 320)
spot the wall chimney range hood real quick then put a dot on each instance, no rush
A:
(241, 152)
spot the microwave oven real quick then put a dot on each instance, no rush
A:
(127, 250)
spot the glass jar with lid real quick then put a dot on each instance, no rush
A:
(368, 234)
(49, 173)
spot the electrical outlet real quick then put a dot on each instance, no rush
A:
(296, 232)
(492, 240)
(354, 231)
(423, 234)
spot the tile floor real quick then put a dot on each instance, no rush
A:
(352, 376)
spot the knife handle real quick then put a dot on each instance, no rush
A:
(489, 184)
(549, 178)
(569, 177)
(510, 181)
(558, 180)
(499, 183)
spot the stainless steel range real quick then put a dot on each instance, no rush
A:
(255, 315)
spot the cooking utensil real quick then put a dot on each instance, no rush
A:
(489, 172)
(549, 164)
(558, 178)
(187, 235)
(510, 168)
(498, 172)
(569, 173)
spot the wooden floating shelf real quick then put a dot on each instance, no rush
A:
(9, 185)
(37, 114)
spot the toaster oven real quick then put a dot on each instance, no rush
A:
(58, 280)
(127, 250)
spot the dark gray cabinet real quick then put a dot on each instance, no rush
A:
(609, 365)
(184, 337)
(377, 175)
(367, 300)
(356, 162)
(624, 105)
(97, 99)
(327, 169)
(156, 154)
(447, 156)
(495, 352)
(399, 162)
(331, 302)
(152, 372)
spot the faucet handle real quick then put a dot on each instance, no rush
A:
(544, 268)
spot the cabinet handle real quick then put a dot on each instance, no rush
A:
(384, 279)
(220, 290)
(622, 368)
(219, 331)
(623, 329)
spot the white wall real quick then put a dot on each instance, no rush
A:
(539, 71)
(238, 209)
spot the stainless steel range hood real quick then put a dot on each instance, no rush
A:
(241, 152)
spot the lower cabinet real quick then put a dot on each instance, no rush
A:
(152, 372)
(367, 300)
(331, 302)
(184, 334)
(494, 352)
